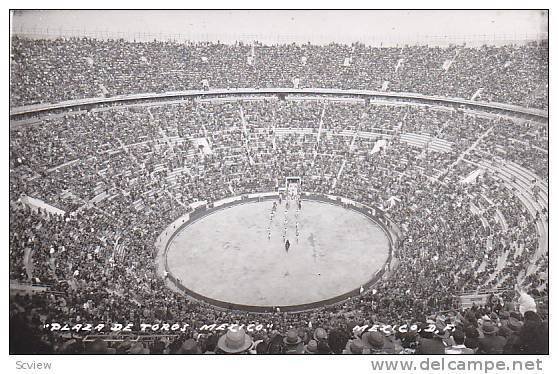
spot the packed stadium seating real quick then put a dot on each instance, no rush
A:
(469, 192)
(63, 69)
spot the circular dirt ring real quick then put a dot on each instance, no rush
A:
(226, 257)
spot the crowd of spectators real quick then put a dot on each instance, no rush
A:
(48, 71)
(122, 175)
(525, 143)
(477, 330)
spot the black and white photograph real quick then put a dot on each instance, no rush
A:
(277, 182)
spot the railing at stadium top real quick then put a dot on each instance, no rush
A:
(372, 39)
(22, 112)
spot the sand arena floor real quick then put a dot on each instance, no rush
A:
(227, 255)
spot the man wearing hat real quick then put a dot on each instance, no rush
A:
(354, 347)
(491, 343)
(373, 342)
(235, 341)
(293, 343)
(311, 348)
(512, 343)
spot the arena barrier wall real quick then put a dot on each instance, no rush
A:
(37, 110)
(374, 214)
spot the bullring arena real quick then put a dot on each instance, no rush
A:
(230, 256)
(307, 187)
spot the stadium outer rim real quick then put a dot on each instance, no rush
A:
(390, 229)
(494, 108)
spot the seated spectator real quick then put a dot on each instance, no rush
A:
(293, 343)
(275, 345)
(373, 342)
(409, 342)
(459, 348)
(430, 344)
(323, 348)
(337, 340)
(311, 348)
(320, 334)
(512, 341)
(533, 337)
(354, 347)
(260, 347)
(491, 343)
(234, 342)
(109, 270)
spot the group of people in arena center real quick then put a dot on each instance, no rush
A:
(289, 198)
(469, 193)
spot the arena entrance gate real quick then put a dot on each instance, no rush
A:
(293, 186)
